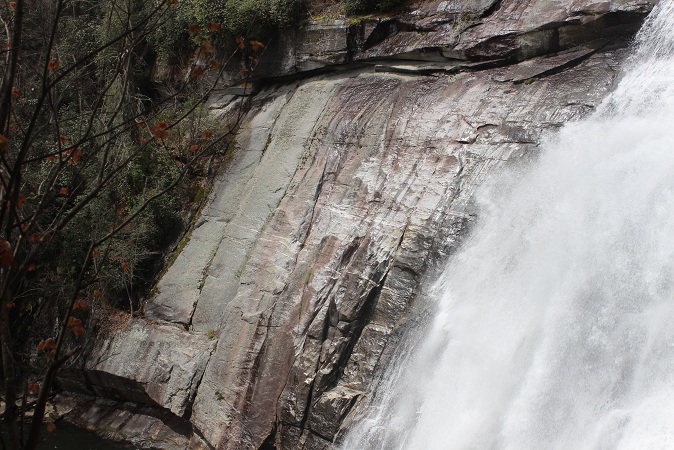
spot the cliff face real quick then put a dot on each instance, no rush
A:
(347, 189)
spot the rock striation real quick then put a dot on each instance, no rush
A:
(350, 184)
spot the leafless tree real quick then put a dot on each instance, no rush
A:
(72, 123)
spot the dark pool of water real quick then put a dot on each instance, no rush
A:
(70, 437)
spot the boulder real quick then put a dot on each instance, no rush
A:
(146, 363)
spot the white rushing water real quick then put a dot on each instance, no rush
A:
(555, 323)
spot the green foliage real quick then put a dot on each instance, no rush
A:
(131, 256)
(98, 168)
(172, 44)
(352, 7)
(77, 32)
(129, 261)
(253, 18)
(115, 17)
(170, 40)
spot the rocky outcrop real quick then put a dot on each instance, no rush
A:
(143, 426)
(153, 364)
(347, 189)
(452, 35)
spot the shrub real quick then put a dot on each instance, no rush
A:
(170, 40)
(352, 7)
(253, 18)
(257, 19)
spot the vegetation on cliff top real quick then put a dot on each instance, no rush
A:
(352, 7)
(255, 19)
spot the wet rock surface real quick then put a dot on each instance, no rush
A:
(346, 192)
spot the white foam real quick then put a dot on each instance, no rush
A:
(555, 323)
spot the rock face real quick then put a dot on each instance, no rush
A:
(346, 191)
(146, 363)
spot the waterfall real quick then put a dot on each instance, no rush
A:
(554, 325)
